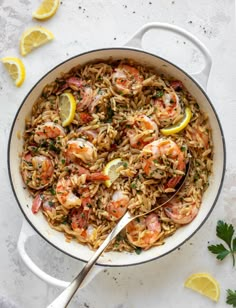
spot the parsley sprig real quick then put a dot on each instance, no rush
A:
(225, 232)
(231, 297)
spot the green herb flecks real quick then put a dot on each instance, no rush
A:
(138, 250)
(125, 164)
(159, 94)
(225, 232)
(52, 191)
(110, 114)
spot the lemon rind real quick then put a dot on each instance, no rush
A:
(26, 33)
(21, 68)
(71, 116)
(175, 129)
(48, 15)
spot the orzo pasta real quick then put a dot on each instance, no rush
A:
(121, 109)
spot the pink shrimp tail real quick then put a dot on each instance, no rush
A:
(37, 202)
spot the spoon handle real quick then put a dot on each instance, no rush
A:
(65, 297)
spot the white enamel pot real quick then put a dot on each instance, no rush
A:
(57, 239)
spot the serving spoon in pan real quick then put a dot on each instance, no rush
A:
(65, 297)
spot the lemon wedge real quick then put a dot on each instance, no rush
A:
(178, 126)
(15, 68)
(46, 9)
(204, 284)
(111, 170)
(34, 38)
(67, 106)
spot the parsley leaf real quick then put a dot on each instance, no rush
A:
(231, 297)
(219, 250)
(225, 232)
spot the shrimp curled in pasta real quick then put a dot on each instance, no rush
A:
(181, 212)
(161, 157)
(37, 171)
(48, 130)
(167, 108)
(144, 231)
(80, 149)
(143, 131)
(118, 205)
(127, 79)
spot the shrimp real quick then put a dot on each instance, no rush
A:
(80, 149)
(161, 157)
(144, 130)
(181, 212)
(79, 220)
(67, 190)
(95, 176)
(48, 130)
(42, 201)
(74, 83)
(167, 108)
(118, 205)
(177, 85)
(127, 79)
(98, 97)
(80, 216)
(90, 134)
(86, 98)
(37, 171)
(144, 231)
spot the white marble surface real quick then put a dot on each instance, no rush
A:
(84, 25)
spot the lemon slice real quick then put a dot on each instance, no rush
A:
(204, 284)
(111, 170)
(34, 38)
(15, 68)
(46, 9)
(67, 106)
(180, 125)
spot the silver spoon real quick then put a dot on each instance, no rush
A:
(65, 297)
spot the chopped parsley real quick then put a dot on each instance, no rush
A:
(138, 250)
(52, 191)
(110, 114)
(159, 94)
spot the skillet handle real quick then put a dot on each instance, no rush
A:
(25, 233)
(203, 75)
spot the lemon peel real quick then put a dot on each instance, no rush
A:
(67, 107)
(15, 68)
(47, 9)
(33, 38)
(178, 126)
(111, 170)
